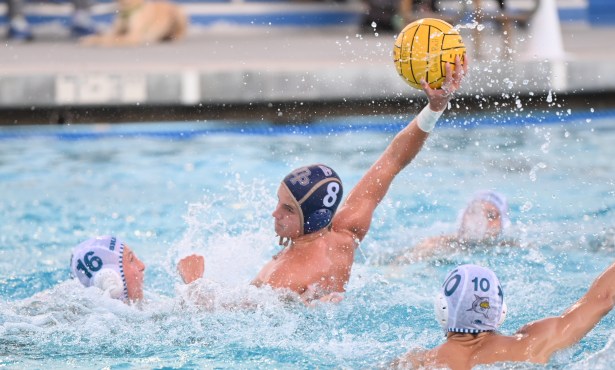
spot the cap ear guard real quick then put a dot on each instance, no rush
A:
(503, 315)
(440, 306)
(318, 220)
(110, 281)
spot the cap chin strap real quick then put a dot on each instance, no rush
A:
(110, 281)
(285, 241)
(440, 306)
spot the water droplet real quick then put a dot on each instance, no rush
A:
(545, 148)
(535, 169)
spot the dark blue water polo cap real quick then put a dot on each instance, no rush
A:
(318, 191)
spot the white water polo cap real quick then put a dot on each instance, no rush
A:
(318, 191)
(471, 300)
(98, 262)
(498, 200)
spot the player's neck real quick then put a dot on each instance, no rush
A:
(469, 339)
(296, 245)
(306, 239)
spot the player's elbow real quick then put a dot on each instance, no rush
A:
(604, 301)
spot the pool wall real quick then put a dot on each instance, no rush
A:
(238, 72)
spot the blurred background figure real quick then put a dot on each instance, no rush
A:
(381, 16)
(501, 16)
(481, 224)
(141, 22)
(82, 23)
(411, 10)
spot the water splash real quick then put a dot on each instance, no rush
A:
(387, 310)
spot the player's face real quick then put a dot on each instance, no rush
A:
(133, 273)
(494, 220)
(481, 221)
(286, 215)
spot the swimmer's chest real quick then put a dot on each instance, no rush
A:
(295, 269)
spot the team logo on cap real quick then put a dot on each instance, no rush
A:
(300, 176)
(480, 305)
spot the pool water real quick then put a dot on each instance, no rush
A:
(172, 189)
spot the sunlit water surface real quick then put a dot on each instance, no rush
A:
(172, 189)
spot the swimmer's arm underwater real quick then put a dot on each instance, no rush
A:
(356, 213)
(315, 295)
(437, 245)
(544, 337)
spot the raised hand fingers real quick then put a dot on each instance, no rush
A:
(449, 80)
(460, 71)
(439, 98)
(450, 73)
(466, 61)
(425, 86)
(460, 68)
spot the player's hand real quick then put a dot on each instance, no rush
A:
(191, 268)
(439, 98)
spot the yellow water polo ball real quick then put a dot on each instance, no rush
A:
(422, 50)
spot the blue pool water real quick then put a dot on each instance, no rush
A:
(210, 188)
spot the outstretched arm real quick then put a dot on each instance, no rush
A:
(427, 248)
(356, 213)
(546, 336)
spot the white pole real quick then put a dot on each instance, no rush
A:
(545, 44)
(545, 33)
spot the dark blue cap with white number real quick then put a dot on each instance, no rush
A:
(318, 191)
